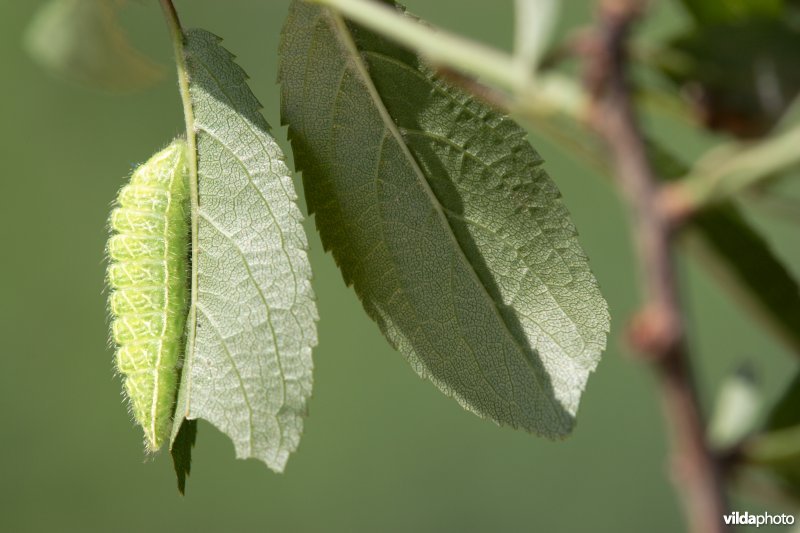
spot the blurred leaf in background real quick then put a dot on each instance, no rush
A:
(777, 446)
(736, 409)
(749, 45)
(714, 11)
(82, 41)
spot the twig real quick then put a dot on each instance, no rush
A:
(657, 331)
(728, 170)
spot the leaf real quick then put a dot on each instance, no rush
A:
(756, 57)
(82, 41)
(715, 11)
(181, 451)
(438, 212)
(252, 320)
(786, 411)
(742, 260)
(777, 448)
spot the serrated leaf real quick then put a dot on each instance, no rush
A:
(252, 321)
(438, 212)
(82, 41)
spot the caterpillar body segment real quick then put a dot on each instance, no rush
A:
(148, 275)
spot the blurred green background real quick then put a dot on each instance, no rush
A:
(382, 450)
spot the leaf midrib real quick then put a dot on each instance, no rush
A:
(179, 45)
(449, 212)
(201, 127)
(346, 39)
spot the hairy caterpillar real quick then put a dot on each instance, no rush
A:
(148, 277)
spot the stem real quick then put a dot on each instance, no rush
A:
(455, 56)
(436, 45)
(727, 171)
(658, 329)
(176, 33)
(533, 25)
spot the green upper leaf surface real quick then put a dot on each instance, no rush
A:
(440, 215)
(252, 323)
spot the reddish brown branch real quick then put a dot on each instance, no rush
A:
(657, 331)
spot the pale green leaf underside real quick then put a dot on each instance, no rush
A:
(252, 325)
(440, 215)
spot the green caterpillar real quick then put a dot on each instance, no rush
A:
(148, 276)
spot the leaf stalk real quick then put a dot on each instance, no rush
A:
(178, 41)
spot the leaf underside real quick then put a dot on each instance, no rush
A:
(438, 212)
(252, 323)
